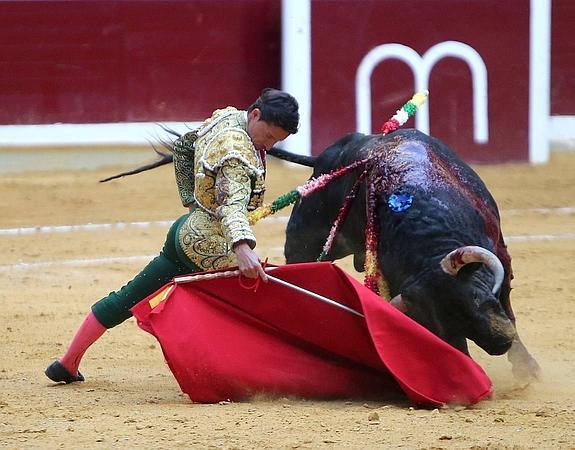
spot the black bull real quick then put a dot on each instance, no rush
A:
(443, 257)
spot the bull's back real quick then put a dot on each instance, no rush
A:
(447, 195)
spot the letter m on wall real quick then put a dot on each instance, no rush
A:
(421, 68)
(476, 58)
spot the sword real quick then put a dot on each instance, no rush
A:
(235, 273)
(315, 295)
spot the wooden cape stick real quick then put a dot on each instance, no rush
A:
(236, 273)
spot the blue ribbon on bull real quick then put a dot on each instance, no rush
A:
(399, 201)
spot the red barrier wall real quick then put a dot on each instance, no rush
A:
(341, 39)
(562, 58)
(117, 61)
(101, 61)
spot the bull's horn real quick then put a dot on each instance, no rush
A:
(470, 254)
(398, 303)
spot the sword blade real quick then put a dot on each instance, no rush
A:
(314, 295)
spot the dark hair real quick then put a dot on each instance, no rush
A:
(278, 108)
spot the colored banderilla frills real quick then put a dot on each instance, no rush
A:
(309, 187)
(373, 277)
(405, 112)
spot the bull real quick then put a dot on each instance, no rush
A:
(442, 254)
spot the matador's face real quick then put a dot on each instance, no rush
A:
(264, 135)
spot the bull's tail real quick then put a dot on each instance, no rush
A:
(302, 160)
(165, 158)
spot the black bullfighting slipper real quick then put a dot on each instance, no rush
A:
(58, 373)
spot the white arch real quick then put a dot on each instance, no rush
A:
(421, 68)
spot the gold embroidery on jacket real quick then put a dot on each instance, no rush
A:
(202, 240)
(229, 181)
(233, 190)
(183, 151)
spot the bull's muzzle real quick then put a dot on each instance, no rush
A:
(496, 337)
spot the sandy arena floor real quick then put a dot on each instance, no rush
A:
(51, 276)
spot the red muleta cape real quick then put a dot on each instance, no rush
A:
(223, 342)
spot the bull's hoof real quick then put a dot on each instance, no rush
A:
(527, 370)
(524, 366)
(58, 374)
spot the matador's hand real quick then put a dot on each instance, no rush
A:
(248, 262)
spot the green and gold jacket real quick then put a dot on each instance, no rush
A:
(220, 177)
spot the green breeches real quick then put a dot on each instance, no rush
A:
(115, 308)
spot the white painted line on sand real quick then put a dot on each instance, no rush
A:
(567, 210)
(541, 237)
(76, 262)
(82, 227)
(144, 258)
(100, 227)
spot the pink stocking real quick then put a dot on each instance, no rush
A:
(88, 333)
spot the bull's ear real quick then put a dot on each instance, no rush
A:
(415, 292)
(468, 270)
(359, 262)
